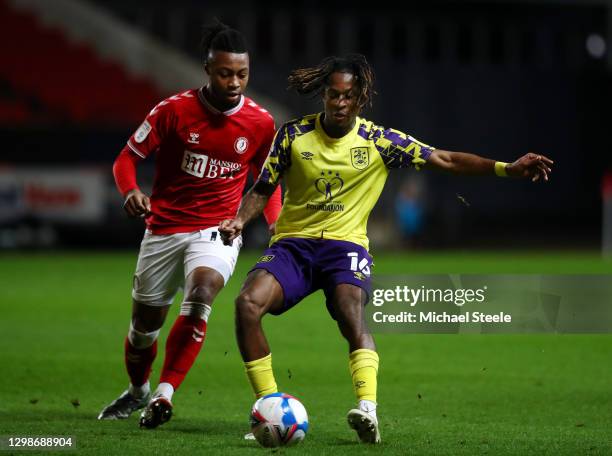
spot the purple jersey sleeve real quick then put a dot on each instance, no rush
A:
(399, 150)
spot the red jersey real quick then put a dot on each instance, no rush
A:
(202, 159)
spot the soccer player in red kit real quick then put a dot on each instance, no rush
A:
(205, 142)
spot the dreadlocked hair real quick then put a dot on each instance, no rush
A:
(314, 80)
(216, 36)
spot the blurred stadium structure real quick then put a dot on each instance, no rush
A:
(498, 79)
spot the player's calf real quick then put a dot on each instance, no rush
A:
(140, 351)
(363, 364)
(183, 345)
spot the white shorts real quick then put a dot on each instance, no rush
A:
(165, 260)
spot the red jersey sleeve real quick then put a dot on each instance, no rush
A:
(124, 170)
(152, 132)
(273, 208)
(145, 140)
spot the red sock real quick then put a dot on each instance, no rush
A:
(182, 348)
(139, 361)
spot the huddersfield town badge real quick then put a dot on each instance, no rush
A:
(360, 157)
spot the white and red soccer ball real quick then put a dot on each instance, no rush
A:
(278, 419)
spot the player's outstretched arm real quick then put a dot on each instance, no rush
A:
(252, 206)
(532, 166)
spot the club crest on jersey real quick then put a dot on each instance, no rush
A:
(360, 157)
(142, 132)
(194, 138)
(241, 145)
(329, 185)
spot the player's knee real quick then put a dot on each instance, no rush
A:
(201, 294)
(141, 339)
(248, 308)
(149, 316)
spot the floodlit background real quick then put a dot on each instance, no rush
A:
(494, 78)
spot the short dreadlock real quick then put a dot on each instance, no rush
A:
(217, 36)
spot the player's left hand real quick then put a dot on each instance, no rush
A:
(137, 204)
(532, 166)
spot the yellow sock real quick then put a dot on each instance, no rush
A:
(363, 364)
(261, 376)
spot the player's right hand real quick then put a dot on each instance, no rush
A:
(230, 230)
(532, 166)
(137, 204)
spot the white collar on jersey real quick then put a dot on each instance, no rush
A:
(214, 110)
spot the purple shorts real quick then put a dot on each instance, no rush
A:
(303, 266)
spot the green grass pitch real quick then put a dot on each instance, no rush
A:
(64, 316)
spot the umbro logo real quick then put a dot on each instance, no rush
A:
(359, 275)
(306, 155)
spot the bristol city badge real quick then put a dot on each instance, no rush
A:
(241, 145)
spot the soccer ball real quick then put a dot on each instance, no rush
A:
(278, 419)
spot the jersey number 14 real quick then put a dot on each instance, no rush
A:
(357, 265)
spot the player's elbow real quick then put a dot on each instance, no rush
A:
(444, 160)
(263, 189)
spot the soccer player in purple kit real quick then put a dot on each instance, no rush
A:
(334, 164)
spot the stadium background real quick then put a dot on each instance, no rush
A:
(498, 79)
(495, 78)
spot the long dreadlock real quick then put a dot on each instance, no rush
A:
(314, 80)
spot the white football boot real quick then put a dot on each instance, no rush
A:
(364, 421)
